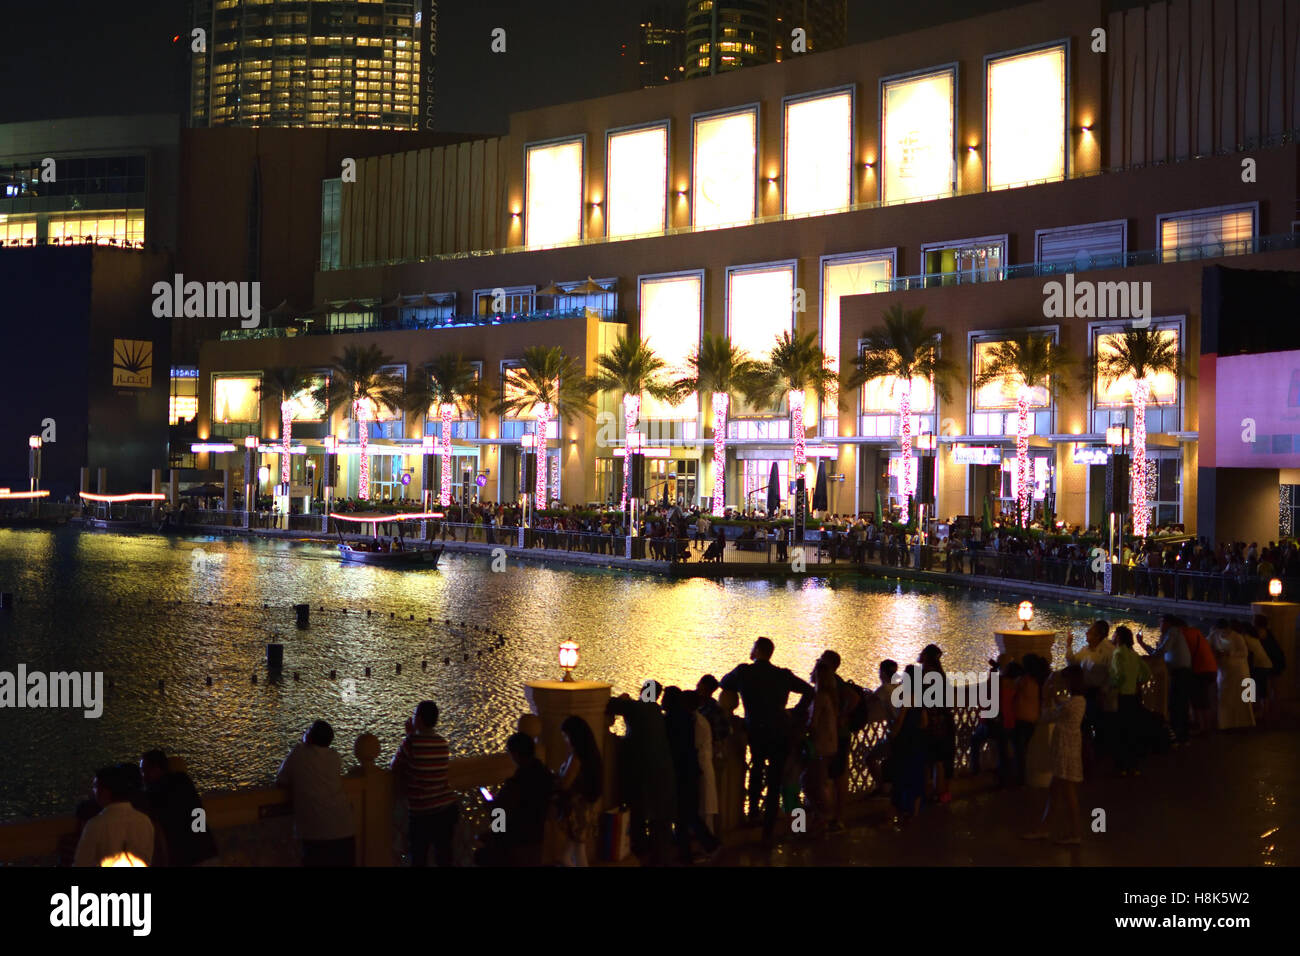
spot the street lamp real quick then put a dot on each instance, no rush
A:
(568, 659)
(34, 463)
(1026, 614)
(1275, 588)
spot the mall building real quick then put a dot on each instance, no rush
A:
(959, 169)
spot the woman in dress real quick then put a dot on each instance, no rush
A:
(578, 792)
(1067, 760)
(1234, 669)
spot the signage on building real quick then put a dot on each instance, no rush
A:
(132, 363)
(977, 454)
(1089, 455)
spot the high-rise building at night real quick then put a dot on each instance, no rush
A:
(728, 35)
(662, 48)
(305, 63)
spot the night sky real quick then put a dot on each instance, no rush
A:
(88, 57)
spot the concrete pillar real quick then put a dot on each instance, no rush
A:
(173, 491)
(155, 486)
(102, 481)
(1283, 618)
(554, 700)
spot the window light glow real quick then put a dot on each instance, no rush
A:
(637, 171)
(725, 168)
(554, 213)
(818, 153)
(670, 324)
(917, 122)
(1026, 118)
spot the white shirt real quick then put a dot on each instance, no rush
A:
(314, 777)
(118, 827)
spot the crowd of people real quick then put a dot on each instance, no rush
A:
(683, 754)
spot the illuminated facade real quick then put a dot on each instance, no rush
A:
(364, 64)
(724, 35)
(811, 197)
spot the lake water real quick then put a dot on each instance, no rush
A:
(92, 601)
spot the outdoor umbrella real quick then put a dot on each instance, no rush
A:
(551, 289)
(819, 488)
(590, 287)
(203, 491)
(774, 490)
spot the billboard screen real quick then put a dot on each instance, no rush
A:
(554, 185)
(725, 164)
(917, 136)
(1257, 411)
(1026, 118)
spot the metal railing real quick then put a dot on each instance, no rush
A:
(441, 322)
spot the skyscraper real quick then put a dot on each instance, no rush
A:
(662, 48)
(343, 63)
(731, 34)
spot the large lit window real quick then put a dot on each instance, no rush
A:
(841, 276)
(236, 398)
(917, 137)
(818, 153)
(760, 306)
(1075, 248)
(183, 402)
(331, 203)
(1026, 117)
(17, 228)
(303, 404)
(1110, 394)
(671, 309)
(993, 407)
(724, 164)
(554, 185)
(1201, 233)
(122, 225)
(637, 177)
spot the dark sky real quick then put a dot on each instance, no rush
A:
(89, 57)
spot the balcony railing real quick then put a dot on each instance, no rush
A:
(1125, 260)
(381, 324)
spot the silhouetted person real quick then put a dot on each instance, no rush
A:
(174, 805)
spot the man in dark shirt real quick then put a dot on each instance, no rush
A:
(525, 798)
(764, 690)
(648, 781)
(171, 801)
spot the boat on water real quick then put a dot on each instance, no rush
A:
(398, 554)
(421, 557)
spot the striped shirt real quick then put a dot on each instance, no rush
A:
(422, 761)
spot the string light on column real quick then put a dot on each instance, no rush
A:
(1141, 512)
(721, 405)
(1022, 456)
(444, 412)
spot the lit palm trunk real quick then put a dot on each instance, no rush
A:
(905, 412)
(286, 430)
(796, 398)
(631, 412)
(363, 432)
(1141, 511)
(543, 424)
(721, 405)
(1022, 455)
(444, 411)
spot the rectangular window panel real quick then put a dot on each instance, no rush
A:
(236, 398)
(637, 171)
(1213, 232)
(724, 165)
(670, 325)
(760, 306)
(1164, 387)
(1026, 118)
(886, 395)
(917, 136)
(1003, 393)
(1082, 247)
(554, 185)
(818, 153)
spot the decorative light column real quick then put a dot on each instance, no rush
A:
(34, 444)
(444, 414)
(631, 413)
(1023, 496)
(1141, 511)
(286, 430)
(905, 435)
(721, 406)
(426, 483)
(544, 414)
(363, 435)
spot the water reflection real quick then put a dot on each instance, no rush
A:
(234, 733)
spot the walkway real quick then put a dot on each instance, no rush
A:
(1226, 800)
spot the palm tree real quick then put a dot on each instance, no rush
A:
(723, 370)
(546, 383)
(631, 368)
(360, 381)
(1139, 355)
(904, 347)
(455, 386)
(284, 382)
(1029, 361)
(795, 366)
